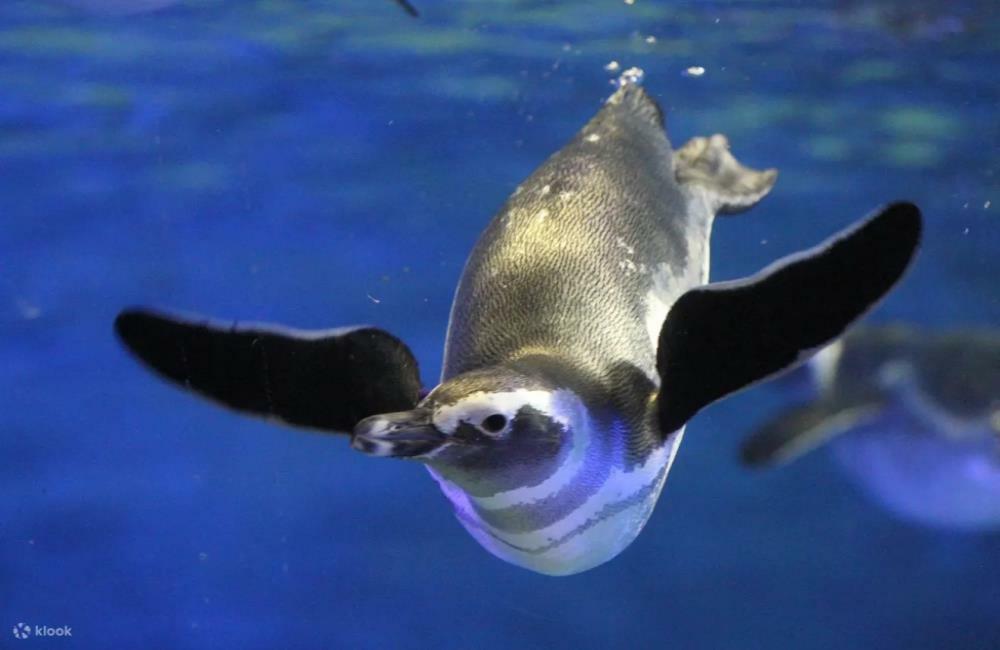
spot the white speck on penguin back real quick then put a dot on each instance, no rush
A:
(633, 75)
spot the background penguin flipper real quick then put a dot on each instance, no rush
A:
(707, 164)
(803, 428)
(326, 380)
(408, 8)
(720, 338)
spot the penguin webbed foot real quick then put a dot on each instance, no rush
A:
(326, 380)
(722, 337)
(708, 164)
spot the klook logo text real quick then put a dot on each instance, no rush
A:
(23, 631)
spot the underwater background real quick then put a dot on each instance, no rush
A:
(330, 162)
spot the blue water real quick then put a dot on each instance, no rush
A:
(330, 162)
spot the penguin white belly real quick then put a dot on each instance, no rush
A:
(922, 475)
(593, 532)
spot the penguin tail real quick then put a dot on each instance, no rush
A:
(633, 100)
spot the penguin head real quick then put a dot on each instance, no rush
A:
(487, 429)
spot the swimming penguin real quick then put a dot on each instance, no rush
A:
(913, 416)
(581, 340)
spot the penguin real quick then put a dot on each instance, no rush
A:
(912, 416)
(582, 337)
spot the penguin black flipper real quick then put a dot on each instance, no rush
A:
(802, 428)
(327, 380)
(722, 337)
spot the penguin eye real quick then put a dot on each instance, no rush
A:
(494, 423)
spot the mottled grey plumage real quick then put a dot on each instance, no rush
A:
(549, 260)
(569, 261)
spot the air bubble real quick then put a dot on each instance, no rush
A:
(633, 75)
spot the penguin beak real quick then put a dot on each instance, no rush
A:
(403, 435)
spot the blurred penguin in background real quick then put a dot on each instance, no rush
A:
(912, 416)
